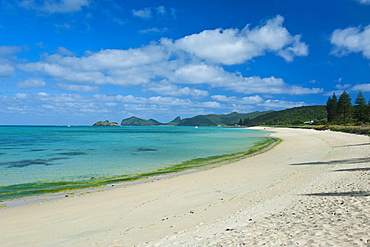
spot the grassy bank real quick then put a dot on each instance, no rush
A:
(363, 130)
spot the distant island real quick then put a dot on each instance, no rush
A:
(296, 115)
(106, 123)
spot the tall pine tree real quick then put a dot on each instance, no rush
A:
(247, 121)
(368, 111)
(345, 108)
(332, 108)
(361, 109)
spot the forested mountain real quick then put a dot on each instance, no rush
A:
(201, 120)
(215, 120)
(336, 110)
(175, 122)
(296, 115)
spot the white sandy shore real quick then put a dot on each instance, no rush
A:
(313, 189)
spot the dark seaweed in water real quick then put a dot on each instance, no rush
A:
(37, 188)
(146, 149)
(73, 153)
(24, 163)
(9, 148)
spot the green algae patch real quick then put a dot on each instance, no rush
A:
(39, 188)
(220, 159)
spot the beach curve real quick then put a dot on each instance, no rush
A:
(226, 205)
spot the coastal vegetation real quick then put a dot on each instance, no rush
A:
(345, 117)
(341, 111)
(339, 114)
(291, 116)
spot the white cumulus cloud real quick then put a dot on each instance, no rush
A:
(364, 2)
(248, 103)
(154, 30)
(6, 69)
(78, 88)
(200, 73)
(32, 83)
(7, 66)
(351, 39)
(234, 46)
(166, 88)
(9, 50)
(268, 104)
(56, 6)
(216, 76)
(362, 87)
(250, 100)
(165, 68)
(143, 13)
(149, 13)
(118, 67)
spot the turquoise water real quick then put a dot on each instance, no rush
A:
(37, 160)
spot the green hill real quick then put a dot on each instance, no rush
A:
(134, 121)
(215, 120)
(296, 115)
(201, 120)
(175, 122)
(197, 121)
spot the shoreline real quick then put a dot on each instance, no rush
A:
(226, 205)
(186, 167)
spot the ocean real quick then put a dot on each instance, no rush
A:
(37, 160)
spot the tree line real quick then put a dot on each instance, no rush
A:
(341, 111)
(245, 122)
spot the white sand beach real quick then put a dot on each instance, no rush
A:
(313, 189)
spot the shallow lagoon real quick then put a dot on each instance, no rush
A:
(36, 160)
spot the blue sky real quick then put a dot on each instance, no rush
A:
(79, 61)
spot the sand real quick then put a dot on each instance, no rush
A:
(313, 189)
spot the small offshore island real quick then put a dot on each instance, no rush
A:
(106, 123)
